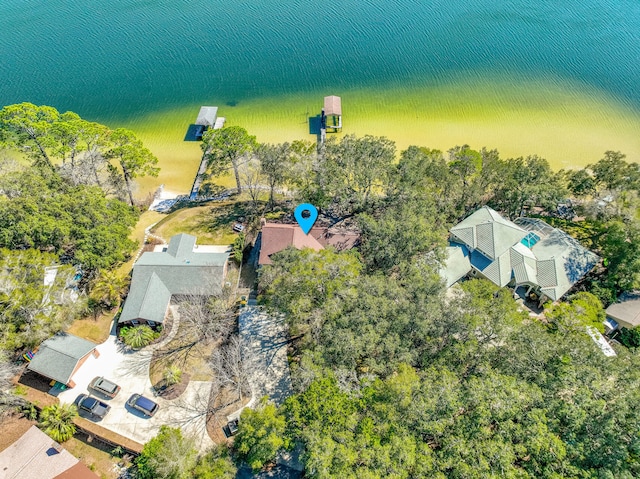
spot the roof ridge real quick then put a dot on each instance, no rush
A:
(148, 288)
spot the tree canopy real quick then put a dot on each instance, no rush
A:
(169, 455)
(39, 209)
(81, 151)
(225, 148)
(32, 310)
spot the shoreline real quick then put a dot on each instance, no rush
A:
(570, 125)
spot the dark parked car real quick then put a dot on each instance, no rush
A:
(93, 406)
(105, 387)
(143, 404)
(233, 426)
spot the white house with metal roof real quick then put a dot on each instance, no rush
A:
(527, 252)
(181, 269)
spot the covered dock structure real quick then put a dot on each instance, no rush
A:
(331, 116)
(333, 112)
(208, 118)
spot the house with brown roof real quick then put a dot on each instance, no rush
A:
(276, 237)
(36, 455)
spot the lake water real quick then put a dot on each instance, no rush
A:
(554, 77)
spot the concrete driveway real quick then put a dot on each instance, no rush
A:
(130, 370)
(266, 336)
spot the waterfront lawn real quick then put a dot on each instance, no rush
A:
(211, 224)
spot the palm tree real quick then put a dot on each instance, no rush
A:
(108, 288)
(57, 421)
(137, 336)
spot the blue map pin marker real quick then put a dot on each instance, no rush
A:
(306, 223)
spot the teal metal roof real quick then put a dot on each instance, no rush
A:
(58, 356)
(529, 250)
(148, 300)
(180, 270)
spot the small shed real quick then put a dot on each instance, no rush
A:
(59, 357)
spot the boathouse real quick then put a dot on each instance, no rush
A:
(332, 113)
(208, 118)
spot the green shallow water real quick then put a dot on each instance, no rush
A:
(556, 78)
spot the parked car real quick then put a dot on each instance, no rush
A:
(238, 227)
(105, 387)
(93, 406)
(233, 427)
(145, 405)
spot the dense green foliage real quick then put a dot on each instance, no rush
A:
(169, 455)
(582, 309)
(31, 311)
(215, 464)
(39, 209)
(260, 435)
(108, 289)
(630, 337)
(138, 336)
(397, 380)
(415, 386)
(57, 421)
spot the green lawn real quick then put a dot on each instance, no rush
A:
(211, 224)
(96, 330)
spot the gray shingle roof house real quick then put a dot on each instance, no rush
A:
(625, 312)
(527, 252)
(36, 455)
(60, 357)
(179, 270)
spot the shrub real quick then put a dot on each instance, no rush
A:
(138, 336)
(29, 411)
(630, 337)
(169, 455)
(238, 248)
(215, 464)
(57, 421)
(172, 375)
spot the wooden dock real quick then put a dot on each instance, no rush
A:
(207, 118)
